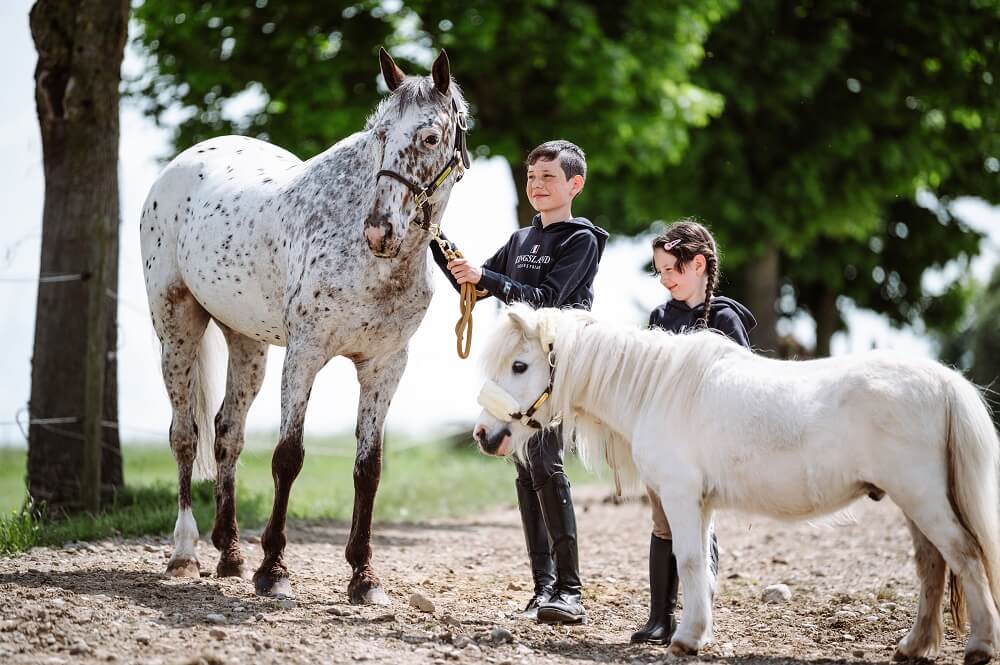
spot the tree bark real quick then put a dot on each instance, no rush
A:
(761, 280)
(826, 321)
(80, 44)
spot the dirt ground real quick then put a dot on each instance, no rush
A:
(853, 596)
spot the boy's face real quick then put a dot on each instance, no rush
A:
(685, 285)
(548, 189)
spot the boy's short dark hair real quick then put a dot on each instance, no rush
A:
(570, 156)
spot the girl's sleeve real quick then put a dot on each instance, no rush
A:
(728, 322)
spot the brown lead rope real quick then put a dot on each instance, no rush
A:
(467, 297)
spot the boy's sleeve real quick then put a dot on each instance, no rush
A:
(442, 261)
(729, 323)
(577, 264)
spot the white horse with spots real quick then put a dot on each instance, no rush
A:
(710, 425)
(325, 257)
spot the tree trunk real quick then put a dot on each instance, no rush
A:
(80, 45)
(761, 280)
(827, 318)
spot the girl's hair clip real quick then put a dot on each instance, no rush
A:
(667, 246)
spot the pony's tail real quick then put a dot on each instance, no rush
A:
(211, 352)
(973, 452)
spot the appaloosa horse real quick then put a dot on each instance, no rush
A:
(326, 257)
(710, 425)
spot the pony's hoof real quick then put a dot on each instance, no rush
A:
(679, 650)
(184, 568)
(978, 657)
(230, 568)
(272, 587)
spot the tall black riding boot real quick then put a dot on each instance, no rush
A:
(536, 538)
(557, 507)
(662, 594)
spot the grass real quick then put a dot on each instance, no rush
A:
(419, 481)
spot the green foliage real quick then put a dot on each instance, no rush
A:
(837, 115)
(609, 76)
(974, 347)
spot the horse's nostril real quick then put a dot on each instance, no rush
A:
(480, 434)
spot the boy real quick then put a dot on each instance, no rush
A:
(551, 263)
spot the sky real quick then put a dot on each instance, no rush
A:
(438, 391)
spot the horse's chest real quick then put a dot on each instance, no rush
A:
(354, 315)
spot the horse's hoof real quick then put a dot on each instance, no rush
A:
(978, 657)
(184, 568)
(679, 649)
(272, 587)
(366, 589)
(230, 568)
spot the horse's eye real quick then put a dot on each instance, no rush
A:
(432, 139)
(519, 367)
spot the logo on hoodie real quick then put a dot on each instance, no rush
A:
(534, 249)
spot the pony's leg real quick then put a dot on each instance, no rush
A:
(247, 361)
(924, 639)
(935, 519)
(180, 323)
(302, 363)
(379, 379)
(689, 525)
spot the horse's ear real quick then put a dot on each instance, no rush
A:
(524, 319)
(391, 72)
(442, 73)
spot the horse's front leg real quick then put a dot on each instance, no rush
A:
(302, 363)
(379, 378)
(689, 526)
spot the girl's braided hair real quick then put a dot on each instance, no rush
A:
(685, 239)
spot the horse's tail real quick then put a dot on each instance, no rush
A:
(207, 393)
(973, 452)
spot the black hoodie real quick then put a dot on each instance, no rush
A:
(551, 266)
(725, 315)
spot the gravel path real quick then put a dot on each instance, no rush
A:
(852, 581)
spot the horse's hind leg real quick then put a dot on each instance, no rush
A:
(924, 639)
(247, 358)
(935, 519)
(180, 323)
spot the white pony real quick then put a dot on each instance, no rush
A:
(710, 425)
(318, 256)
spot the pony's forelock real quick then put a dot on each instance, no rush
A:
(416, 90)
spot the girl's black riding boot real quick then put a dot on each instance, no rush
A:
(662, 594)
(543, 570)
(565, 605)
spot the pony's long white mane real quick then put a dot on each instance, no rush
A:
(623, 371)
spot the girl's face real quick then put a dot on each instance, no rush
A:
(687, 286)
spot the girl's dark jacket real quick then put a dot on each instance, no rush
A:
(724, 314)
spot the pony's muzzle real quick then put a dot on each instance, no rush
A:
(381, 237)
(498, 444)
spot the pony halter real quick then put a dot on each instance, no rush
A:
(457, 164)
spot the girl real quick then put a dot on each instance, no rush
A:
(687, 262)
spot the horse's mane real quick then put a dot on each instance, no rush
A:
(633, 370)
(418, 90)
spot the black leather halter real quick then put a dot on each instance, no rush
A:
(457, 164)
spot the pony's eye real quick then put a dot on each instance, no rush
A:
(432, 139)
(519, 367)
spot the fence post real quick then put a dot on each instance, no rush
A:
(95, 368)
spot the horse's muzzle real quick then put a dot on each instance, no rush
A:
(498, 444)
(382, 239)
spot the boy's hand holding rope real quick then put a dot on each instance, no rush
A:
(468, 296)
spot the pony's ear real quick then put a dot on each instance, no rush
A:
(525, 320)
(441, 73)
(391, 72)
